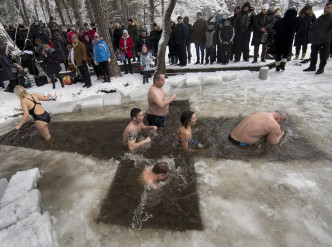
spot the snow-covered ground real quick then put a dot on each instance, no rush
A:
(242, 203)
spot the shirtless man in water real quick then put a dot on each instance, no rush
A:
(154, 174)
(132, 130)
(158, 103)
(257, 126)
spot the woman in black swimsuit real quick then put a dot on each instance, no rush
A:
(31, 106)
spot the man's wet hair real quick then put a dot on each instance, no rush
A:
(185, 118)
(134, 112)
(282, 113)
(160, 168)
(156, 76)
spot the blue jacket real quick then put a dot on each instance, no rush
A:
(100, 51)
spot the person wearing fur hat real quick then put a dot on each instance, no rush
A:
(263, 24)
(146, 60)
(126, 45)
(243, 26)
(101, 56)
(285, 28)
(307, 18)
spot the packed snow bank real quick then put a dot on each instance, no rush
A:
(21, 220)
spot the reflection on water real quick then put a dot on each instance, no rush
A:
(131, 203)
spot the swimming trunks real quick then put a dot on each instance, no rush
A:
(237, 142)
(45, 117)
(155, 120)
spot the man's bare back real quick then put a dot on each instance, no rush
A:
(259, 125)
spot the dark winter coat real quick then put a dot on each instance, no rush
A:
(154, 40)
(171, 40)
(189, 26)
(129, 45)
(286, 28)
(43, 36)
(198, 31)
(226, 35)
(52, 61)
(143, 41)
(117, 34)
(21, 36)
(54, 27)
(262, 21)
(181, 33)
(89, 48)
(321, 31)
(211, 38)
(91, 33)
(301, 36)
(244, 22)
(59, 45)
(133, 32)
(33, 34)
(6, 65)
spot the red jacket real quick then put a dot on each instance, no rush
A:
(128, 52)
(70, 35)
(91, 33)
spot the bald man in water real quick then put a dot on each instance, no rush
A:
(257, 126)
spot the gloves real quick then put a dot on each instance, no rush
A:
(96, 63)
(109, 59)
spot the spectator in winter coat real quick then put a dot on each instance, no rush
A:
(12, 32)
(70, 36)
(81, 60)
(33, 34)
(146, 63)
(43, 36)
(307, 18)
(9, 70)
(188, 41)
(126, 45)
(22, 34)
(285, 31)
(155, 36)
(218, 30)
(210, 43)
(51, 59)
(199, 29)
(237, 10)
(172, 55)
(89, 52)
(320, 35)
(263, 24)
(59, 44)
(117, 34)
(101, 55)
(226, 36)
(133, 34)
(39, 47)
(93, 26)
(142, 40)
(53, 26)
(88, 30)
(243, 27)
(180, 38)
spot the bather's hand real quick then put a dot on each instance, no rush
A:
(17, 127)
(154, 128)
(147, 140)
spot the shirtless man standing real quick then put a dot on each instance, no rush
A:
(132, 130)
(257, 126)
(158, 103)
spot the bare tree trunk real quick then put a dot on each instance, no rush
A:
(25, 13)
(60, 13)
(35, 6)
(67, 11)
(42, 6)
(48, 8)
(77, 13)
(161, 64)
(17, 3)
(162, 10)
(90, 10)
(100, 10)
(151, 14)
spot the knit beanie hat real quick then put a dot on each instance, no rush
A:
(265, 6)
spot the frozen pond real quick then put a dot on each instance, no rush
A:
(229, 196)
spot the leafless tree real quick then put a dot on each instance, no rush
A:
(161, 64)
(100, 10)
(58, 7)
(77, 13)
